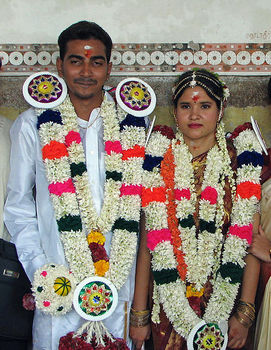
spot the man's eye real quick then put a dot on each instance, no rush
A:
(98, 63)
(75, 62)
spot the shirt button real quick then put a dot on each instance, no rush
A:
(91, 152)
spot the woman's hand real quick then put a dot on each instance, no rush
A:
(237, 334)
(139, 335)
(261, 246)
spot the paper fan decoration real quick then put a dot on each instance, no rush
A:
(258, 134)
(44, 90)
(135, 97)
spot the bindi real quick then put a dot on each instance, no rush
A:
(195, 96)
(87, 51)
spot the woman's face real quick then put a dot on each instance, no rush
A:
(197, 116)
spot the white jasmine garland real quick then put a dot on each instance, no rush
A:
(207, 252)
(123, 243)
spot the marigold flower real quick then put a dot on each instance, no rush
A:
(96, 237)
(191, 291)
(101, 267)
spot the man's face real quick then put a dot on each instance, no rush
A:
(84, 68)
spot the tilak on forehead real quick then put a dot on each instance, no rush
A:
(195, 96)
(88, 50)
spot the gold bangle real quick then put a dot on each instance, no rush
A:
(247, 309)
(139, 313)
(245, 323)
(139, 318)
(242, 302)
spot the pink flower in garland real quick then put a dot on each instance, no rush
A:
(243, 232)
(128, 190)
(72, 136)
(209, 194)
(184, 193)
(62, 187)
(157, 236)
(112, 146)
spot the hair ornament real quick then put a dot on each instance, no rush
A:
(212, 77)
(193, 82)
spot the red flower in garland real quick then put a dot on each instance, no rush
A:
(239, 129)
(68, 342)
(165, 130)
(98, 252)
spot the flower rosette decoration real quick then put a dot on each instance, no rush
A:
(183, 261)
(53, 289)
(208, 336)
(135, 97)
(95, 298)
(44, 90)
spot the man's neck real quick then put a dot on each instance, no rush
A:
(84, 107)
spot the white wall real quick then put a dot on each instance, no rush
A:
(142, 21)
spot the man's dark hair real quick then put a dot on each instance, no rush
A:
(84, 30)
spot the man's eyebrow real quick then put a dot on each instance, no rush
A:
(93, 58)
(75, 56)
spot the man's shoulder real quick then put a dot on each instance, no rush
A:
(27, 116)
(26, 120)
(5, 123)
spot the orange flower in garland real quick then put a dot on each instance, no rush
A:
(100, 259)
(248, 189)
(96, 237)
(167, 171)
(156, 194)
(101, 267)
(54, 150)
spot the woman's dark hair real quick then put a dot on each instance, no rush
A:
(203, 78)
(84, 30)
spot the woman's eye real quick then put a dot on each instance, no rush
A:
(205, 106)
(184, 106)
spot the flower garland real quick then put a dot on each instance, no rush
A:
(178, 254)
(64, 159)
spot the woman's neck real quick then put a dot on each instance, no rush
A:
(197, 147)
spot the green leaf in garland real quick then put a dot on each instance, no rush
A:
(114, 175)
(78, 169)
(208, 226)
(165, 276)
(129, 225)
(187, 222)
(234, 271)
(69, 223)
